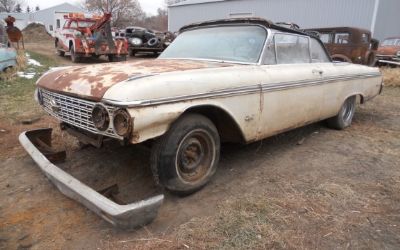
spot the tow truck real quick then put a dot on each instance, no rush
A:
(89, 36)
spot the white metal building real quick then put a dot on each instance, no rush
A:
(380, 16)
(52, 18)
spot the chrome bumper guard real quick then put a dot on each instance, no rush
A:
(38, 145)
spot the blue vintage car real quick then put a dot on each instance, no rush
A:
(8, 56)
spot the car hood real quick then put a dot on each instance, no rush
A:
(388, 50)
(92, 82)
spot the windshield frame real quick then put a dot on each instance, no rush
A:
(268, 32)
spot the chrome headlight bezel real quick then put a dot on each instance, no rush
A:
(122, 122)
(100, 117)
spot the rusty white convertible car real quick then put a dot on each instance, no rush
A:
(233, 80)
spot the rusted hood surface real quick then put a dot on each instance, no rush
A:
(388, 50)
(91, 82)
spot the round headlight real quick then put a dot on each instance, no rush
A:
(122, 122)
(100, 117)
(136, 41)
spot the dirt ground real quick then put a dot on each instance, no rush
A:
(309, 188)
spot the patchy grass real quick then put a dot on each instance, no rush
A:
(296, 218)
(391, 76)
(16, 93)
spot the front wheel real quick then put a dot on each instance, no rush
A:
(74, 57)
(345, 116)
(186, 157)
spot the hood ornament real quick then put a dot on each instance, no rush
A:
(54, 105)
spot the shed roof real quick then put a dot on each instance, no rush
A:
(189, 2)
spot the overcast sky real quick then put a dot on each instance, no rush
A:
(149, 6)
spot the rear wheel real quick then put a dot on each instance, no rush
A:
(111, 58)
(186, 157)
(345, 116)
(122, 58)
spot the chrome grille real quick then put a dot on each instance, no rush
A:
(75, 111)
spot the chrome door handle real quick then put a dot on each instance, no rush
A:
(317, 71)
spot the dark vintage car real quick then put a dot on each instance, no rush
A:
(389, 52)
(349, 44)
(145, 40)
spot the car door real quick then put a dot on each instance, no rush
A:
(291, 93)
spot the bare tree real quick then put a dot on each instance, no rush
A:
(157, 22)
(18, 8)
(8, 5)
(124, 12)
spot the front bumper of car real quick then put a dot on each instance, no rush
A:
(38, 145)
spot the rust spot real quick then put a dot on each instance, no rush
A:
(91, 82)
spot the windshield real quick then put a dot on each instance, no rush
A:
(391, 42)
(85, 24)
(236, 44)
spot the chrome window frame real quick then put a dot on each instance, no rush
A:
(291, 34)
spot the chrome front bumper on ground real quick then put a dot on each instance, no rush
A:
(38, 144)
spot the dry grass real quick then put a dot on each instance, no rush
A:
(391, 76)
(295, 218)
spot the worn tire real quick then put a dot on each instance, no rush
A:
(59, 51)
(185, 158)
(345, 116)
(111, 58)
(74, 58)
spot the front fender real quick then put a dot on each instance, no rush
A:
(153, 121)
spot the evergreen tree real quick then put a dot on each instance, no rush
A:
(18, 8)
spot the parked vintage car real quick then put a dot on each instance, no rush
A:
(347, 44)
(234, 80)
(8, 57)
(145, 40)
(389, 51)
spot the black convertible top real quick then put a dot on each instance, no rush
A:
(252, 20)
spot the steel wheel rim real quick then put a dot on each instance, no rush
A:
(347, 112)
(195, 156)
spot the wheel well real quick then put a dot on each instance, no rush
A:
(227, 127)
(361, 98)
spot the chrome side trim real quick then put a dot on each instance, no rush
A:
(127, 216)
(240, 91)
(306, 83)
